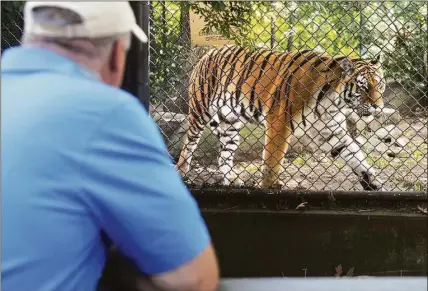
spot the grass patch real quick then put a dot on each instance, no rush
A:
(299, 161)
(379, 162)
(251, 168)
(253, 133)
(410, 164)
(303, 159)
(339, 163)
(414, 186)
(420, 153)
(409, 132)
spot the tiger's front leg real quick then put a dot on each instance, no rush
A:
(277, 137)
(336, 140)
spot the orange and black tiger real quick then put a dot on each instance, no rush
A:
(291, 93)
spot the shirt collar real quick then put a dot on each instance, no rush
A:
(26, 59)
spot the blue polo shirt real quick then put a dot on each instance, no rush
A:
(78, 157)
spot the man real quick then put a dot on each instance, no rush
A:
(81, 157)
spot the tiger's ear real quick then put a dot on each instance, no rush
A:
(377, 60)
(347, 67)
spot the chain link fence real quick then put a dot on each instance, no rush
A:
(232, 93)
(11, 24)
(285, 108)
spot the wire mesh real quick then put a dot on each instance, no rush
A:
(265, 115)
(217, 119)
(11, 24)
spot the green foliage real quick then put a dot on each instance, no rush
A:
(316, 25)
(168, 51)
(406, 45)
(223, 16)
(397, 29)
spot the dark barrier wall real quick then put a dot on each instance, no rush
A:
(274, 244)
(266, 243)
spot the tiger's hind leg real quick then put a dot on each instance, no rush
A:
(277, 139)
(191, 141)
(229, 141)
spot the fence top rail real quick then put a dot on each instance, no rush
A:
(360, 202)
(320, 284)
(278, 194)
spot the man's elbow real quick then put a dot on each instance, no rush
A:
(206, 282)
(200, 274)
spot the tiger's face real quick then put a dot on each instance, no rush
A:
(366, 87)
(354, 91)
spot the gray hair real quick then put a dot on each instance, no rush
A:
(89, 47)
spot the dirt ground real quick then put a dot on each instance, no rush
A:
(400, 164)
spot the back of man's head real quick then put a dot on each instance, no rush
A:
(94, 34)
(56, 17)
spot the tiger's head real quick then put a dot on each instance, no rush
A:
(363, 84)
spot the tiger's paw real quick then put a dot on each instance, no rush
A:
(277, 185)
(232, 179)
(272, 184)
(373, 186)
(369, 183)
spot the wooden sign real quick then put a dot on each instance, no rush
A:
(197, 23)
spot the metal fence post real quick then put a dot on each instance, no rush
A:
(136, 80)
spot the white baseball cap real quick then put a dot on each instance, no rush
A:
(100, 19)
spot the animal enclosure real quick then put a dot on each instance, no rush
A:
(385, 148)
(393, 142)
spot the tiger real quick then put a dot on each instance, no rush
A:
(291, 93)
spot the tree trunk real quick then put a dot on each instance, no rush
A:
(272, 28)
(363, 49)
(291, 19)
(426, 55)
(163, 41)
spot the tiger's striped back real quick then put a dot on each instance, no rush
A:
(250, 83)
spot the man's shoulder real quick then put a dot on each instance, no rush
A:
(121, 112)
(105, 101)
(98, 92)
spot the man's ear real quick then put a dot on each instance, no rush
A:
(114, 57)
(117, 62)
(347, 67)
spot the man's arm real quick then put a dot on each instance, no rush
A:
(179, 279)
(139, 200)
